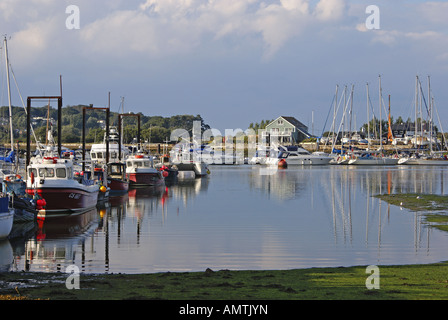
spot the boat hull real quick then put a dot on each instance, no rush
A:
(67, 200)
(145, 179)
(299, 161)
(373, 162)
(6, 222)
(117, 186)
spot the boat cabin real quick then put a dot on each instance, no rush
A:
(116, 170)
(140, 162)
(51, 168)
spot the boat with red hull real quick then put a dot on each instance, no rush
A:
(141, 172)
(116, 178)
(54, 180)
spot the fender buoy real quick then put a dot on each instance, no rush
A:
(165, 174)
(282, 164)
(32, 177)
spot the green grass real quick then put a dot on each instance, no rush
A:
(433, 207)
(414, 282)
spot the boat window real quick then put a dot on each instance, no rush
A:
(138, 163)
(146, 164)
(113, 155)
(33, 170)
(46, 172)
(115, 169)
(100, 155)
(129, 163)
(93, 155)
(60, 173)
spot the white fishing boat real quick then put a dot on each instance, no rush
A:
(140, 171)
(187, 157)
(54, 180)
(295, 155)
(98, 150)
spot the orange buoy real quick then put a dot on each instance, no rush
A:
(282, 164)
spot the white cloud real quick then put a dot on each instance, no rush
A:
(173, 26)
(330, 9)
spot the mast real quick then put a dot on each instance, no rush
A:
(430, 115)
(368, 118)
(9, 95)
(416, 110)
(381, 125)
(351, 115)
(389, 130)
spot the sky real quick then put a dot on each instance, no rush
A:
(234, 62)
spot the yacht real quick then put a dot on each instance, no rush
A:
(294, 155)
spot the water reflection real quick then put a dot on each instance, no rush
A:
(344, 195)
(240, 219)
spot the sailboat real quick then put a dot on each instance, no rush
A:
(7, 212)
(431, 158)
(375, 158)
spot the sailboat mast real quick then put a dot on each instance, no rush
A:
(430, 115)
(416, 110)
(381, 118)
(368, 117)
(9, 94)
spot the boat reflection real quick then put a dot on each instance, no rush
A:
(56, 243)
(6, 255)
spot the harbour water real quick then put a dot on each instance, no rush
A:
(239, 218)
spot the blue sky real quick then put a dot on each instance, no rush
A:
(232, 61)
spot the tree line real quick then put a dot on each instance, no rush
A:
(259, 126)
(154, 129)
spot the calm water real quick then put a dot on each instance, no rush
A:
(239, 219)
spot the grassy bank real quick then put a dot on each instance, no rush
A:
(413, 282)
(433, 207)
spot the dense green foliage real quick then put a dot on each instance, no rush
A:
(155, 129)
(262, 125)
